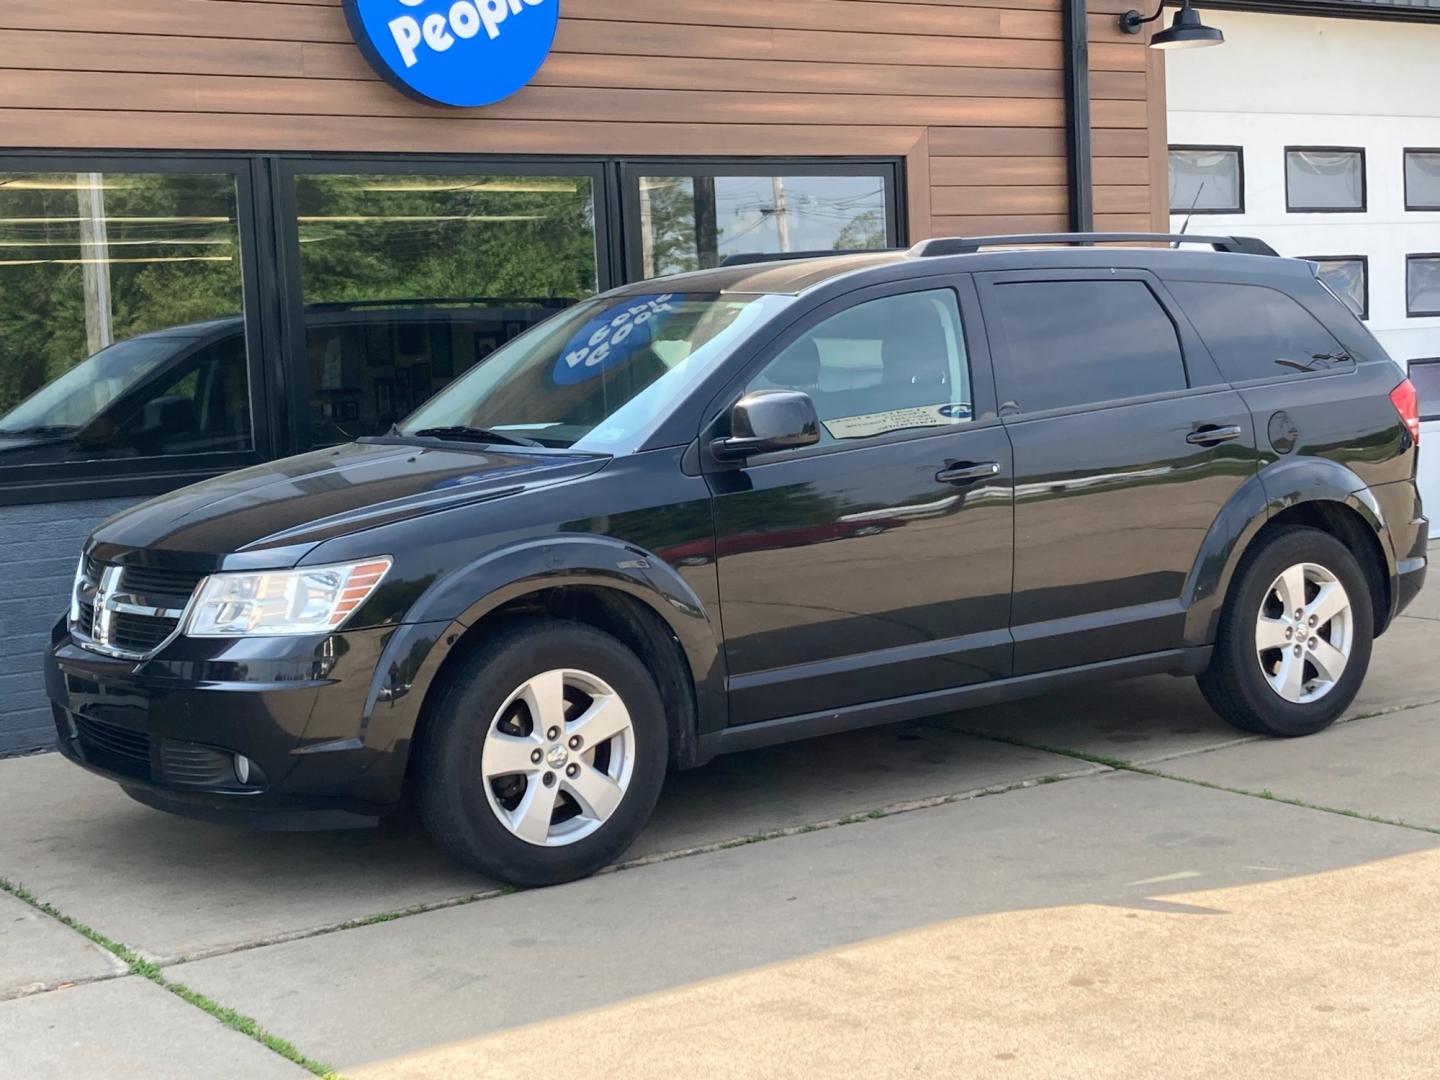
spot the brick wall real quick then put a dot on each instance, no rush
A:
(39, 546)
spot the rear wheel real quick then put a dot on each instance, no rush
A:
(1295, 636)
(544, 755)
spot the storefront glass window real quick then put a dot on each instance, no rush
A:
(694, 222)
(410, 280)
(122, 330)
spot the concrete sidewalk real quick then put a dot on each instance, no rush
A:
(916, 900)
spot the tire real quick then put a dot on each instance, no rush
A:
(1263, 691)
(492, 818)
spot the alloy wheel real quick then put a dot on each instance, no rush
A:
(558, 757)
(1304, 633)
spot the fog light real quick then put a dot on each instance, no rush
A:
(242, 768)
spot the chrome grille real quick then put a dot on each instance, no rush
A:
(129, 611)
(140, 633)
(149, 581)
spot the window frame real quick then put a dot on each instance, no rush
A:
(1411, 313)
(629, 170)
(1405, 175)
(797, 323)
(121, 477)
(1363, 260)
(1364, 181)
(1200, 371)
(1238, 151)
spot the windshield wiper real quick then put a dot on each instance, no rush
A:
(461, 433)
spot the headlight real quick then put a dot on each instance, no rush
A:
(309, 600)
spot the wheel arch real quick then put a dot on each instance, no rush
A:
(616, 588)
(1314, 492)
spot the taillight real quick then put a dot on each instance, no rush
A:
(1407, 403)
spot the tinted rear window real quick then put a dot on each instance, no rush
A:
(1081, 342)
(1255, 332)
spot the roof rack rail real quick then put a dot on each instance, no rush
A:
(967, 245)
(745, 258)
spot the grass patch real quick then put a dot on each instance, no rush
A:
(145, 969)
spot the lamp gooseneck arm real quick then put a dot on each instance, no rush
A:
(1132, 20)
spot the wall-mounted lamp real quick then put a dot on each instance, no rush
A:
(1186, 31)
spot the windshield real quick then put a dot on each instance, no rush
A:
(598, 376)
(78, 396)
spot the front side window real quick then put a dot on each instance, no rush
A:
(1324, 179)
(1348, 278)
(1422, 179)
(886, 365)
(1206, 179)
(122, 331)
(411, 280)
(694, 221)
(599, 376)
(1082, 342)
(1422, 284)
(1255, 332)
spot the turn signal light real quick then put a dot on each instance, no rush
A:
(1407, 403)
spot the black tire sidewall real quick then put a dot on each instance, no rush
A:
(1272, 713)
(452, 794)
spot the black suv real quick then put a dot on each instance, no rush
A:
(757, 503)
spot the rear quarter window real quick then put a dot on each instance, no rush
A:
(1256, 332)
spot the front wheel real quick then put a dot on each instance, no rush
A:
(544, 755)
(1295, 635)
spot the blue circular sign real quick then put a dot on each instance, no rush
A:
(455, 52)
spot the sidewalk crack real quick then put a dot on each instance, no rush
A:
(146, 969)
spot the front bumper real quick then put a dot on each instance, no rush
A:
(300, 710)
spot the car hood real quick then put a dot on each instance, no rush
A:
(277, 512)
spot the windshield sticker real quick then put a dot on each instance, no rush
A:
(858, 427)
(612, 337)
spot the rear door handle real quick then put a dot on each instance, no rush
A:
(967, 472)
(1214, 434)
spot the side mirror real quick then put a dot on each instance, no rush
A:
(767, 420)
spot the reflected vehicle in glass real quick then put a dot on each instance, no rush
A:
(182, 390)
(185, 390)
(757, 503)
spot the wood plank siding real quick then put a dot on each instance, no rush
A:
(969, 92)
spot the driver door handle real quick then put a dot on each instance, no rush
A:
(1213, 434)
(967, 472)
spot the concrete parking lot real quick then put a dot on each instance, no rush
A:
(1108, 883)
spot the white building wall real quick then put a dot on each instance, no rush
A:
(1289, 80)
